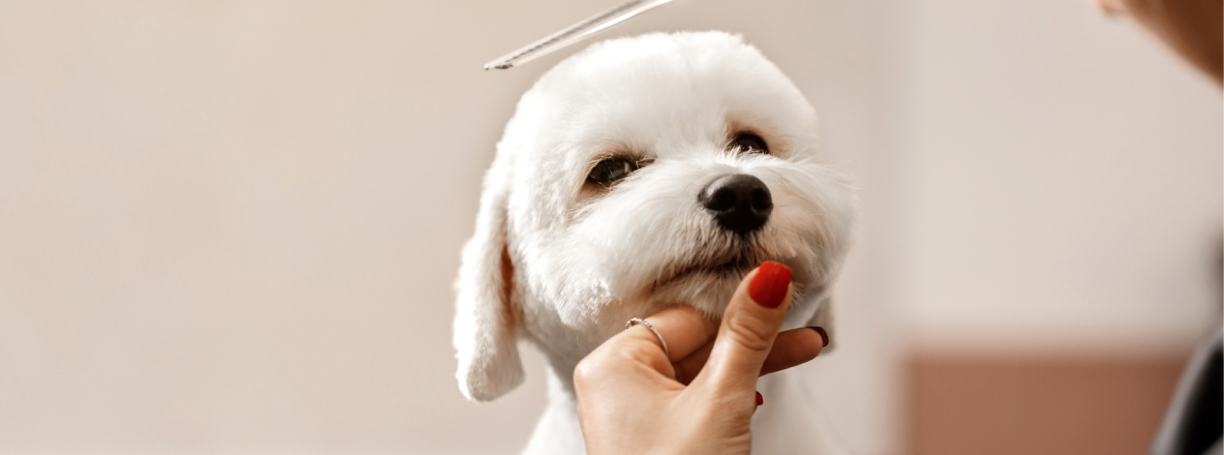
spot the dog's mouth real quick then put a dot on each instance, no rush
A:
(730, 265)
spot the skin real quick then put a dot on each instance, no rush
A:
(1192, 28)
(702, 397)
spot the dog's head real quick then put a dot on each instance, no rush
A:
(639, 174)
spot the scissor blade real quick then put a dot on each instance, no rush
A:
(573, 33)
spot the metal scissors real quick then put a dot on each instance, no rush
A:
(574, 33)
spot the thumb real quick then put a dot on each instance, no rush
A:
(748, 329)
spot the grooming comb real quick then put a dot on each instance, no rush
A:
(573, 33)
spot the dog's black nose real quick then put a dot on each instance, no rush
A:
(740, 202)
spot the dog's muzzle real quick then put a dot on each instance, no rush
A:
(739, 202)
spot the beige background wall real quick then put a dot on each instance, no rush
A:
(1062, 183)
(232, 226)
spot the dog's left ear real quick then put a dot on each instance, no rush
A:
(485, 317)
(824, 319)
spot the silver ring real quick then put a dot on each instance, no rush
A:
(644, 322)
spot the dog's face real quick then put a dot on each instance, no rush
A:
(639, 174)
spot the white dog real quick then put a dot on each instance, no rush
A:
(639, 174)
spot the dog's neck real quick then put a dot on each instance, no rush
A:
(558, 431)
(560, 377)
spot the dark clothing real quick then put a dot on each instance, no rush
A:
(1195, 420)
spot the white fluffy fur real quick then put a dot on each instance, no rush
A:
(563, 264)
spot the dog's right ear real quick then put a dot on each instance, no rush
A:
(485, 317)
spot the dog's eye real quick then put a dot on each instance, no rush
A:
(610, 170)
(749, 143)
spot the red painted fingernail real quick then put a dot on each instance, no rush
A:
(760, 399)
(768, 287)
(824, 336)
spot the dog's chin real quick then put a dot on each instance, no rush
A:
(707, 286)
(731, 271)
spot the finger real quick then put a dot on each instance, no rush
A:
(689, 367)
(749, 326)
(630, 355)
(792, 348)
(633, 354)
(682, 327)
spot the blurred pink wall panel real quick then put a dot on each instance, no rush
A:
(1028, 406)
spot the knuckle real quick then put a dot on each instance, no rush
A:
(749, 334)
(641, 351)
(586, 370)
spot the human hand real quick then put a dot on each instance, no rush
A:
(634, 399)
